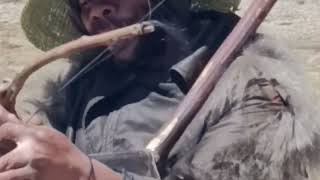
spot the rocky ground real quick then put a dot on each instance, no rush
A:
(296, 22)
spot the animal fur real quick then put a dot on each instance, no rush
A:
(282, 148)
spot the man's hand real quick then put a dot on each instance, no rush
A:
(6, 145)
(5, 116)
(40, 154)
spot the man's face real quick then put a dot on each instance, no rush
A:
(104, 15)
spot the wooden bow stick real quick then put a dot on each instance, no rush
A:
(8, 93)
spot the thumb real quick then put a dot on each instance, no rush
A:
(11, 131)
(9, 134)
(6, 146)
(5, 116)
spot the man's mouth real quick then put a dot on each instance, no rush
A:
(102, 26)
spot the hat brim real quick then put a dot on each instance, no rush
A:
(47, 24)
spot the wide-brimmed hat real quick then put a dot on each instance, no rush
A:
(47, 24)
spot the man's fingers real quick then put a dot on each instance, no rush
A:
(13, 160)
(5, 116)
(11, 131)
(24, 173)
(6, 146)
(9, 136)
(3, 110)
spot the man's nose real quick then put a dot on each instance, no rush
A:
(102, 12)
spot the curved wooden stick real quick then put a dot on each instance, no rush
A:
(9, 93)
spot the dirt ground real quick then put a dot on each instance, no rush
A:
(295, 22)
(17, 52)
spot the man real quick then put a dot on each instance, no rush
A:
(256, 124)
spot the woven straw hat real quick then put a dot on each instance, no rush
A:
(47, 24)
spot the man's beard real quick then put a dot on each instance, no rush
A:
(154, 49)
(139, 51)
(125, 51)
